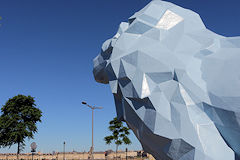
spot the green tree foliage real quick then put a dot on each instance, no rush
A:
(18, 121)
(119, 134)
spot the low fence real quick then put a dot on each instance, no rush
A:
(129, 158)
(131, 155)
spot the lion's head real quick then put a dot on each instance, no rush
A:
(164, 69)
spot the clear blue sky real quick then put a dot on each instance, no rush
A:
(46, 50)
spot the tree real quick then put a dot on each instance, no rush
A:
(18, 121)
(119, 134)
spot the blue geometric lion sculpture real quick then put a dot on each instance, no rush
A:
(175, 83)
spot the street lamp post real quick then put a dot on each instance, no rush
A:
(126, 153)
(33, 148)
(64, 143)
(92, 108)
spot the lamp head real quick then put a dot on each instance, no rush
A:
(84, 102)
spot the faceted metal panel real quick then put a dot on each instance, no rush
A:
(175, 83)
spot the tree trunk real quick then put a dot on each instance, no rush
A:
(116, 151)
(18, 150)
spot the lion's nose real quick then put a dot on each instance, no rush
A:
(99, 71)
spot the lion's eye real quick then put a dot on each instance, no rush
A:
(106, 45)
(106, 49)
(107, 53)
